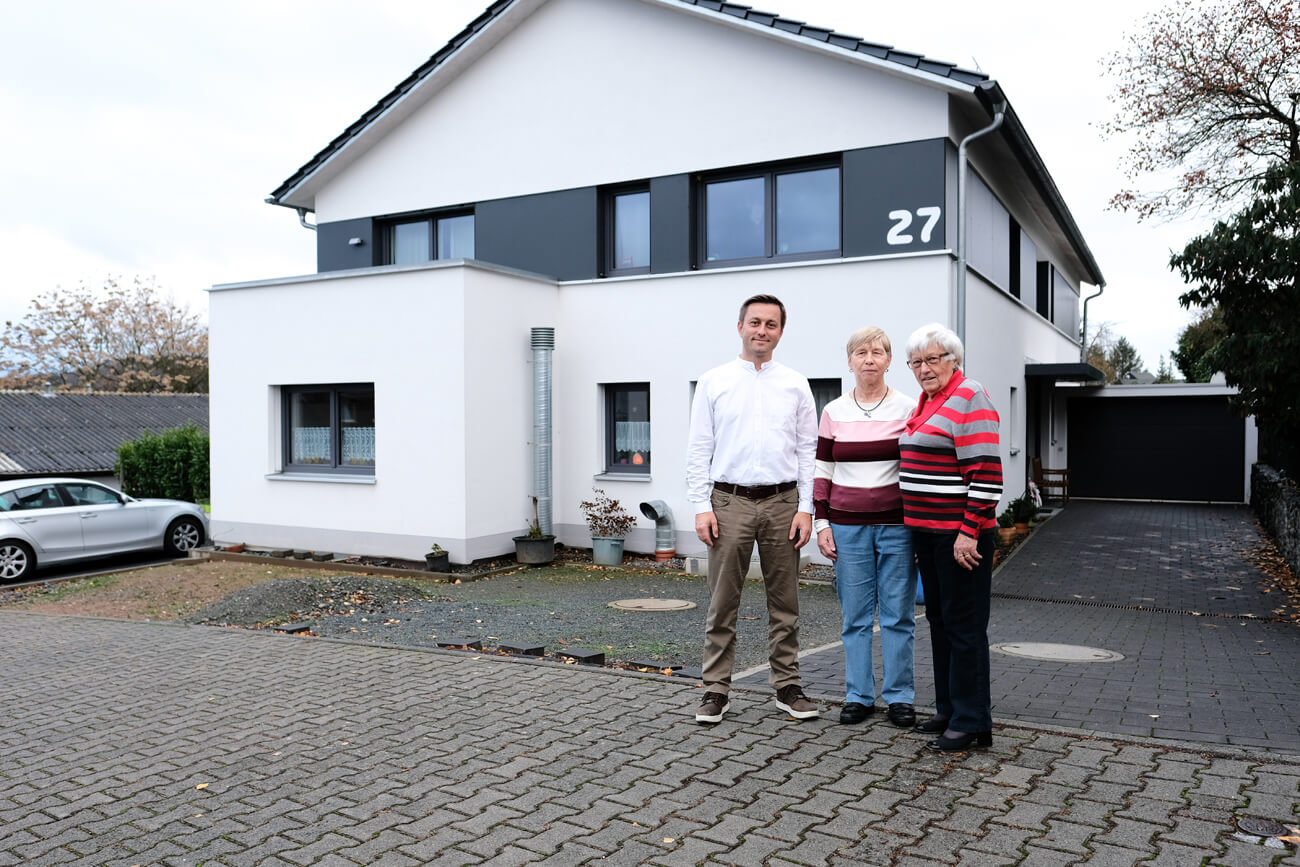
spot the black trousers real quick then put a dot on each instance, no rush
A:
(957, 607)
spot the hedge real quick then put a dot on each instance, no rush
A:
(172, 464)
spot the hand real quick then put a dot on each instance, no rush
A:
(826, 544)
(706, 527)
(801, 529)
(964, 552)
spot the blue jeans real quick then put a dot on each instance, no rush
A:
(874, 568)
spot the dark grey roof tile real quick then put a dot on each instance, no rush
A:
(78, 432)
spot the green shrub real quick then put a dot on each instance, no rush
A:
(172, 464)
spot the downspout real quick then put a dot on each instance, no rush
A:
(999, 112)
(665, 531)
(543, 346)
(1083, 350)
(302, 218)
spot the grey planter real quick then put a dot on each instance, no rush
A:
(534, 552)
(606, 551)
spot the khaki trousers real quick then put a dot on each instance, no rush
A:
(742, 524)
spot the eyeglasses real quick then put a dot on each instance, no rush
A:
(928, 361)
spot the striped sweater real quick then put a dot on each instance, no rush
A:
(856, 477)
(951, 470)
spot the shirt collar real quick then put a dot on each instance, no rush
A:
(927, 406)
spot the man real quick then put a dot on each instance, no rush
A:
(749, 475)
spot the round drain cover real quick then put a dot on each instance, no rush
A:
(1056, 652)
(652, 605)
(1261, 827)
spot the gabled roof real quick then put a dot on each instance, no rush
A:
(824, 35)
(986, 90)
(78, 433)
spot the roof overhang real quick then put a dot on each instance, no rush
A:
(1079, 372)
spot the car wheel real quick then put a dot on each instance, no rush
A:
(183, 535)
(16, 561)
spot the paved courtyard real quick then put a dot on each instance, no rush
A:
(129, 743)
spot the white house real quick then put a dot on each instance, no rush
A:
(625, 172)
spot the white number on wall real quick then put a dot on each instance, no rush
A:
(897, 235)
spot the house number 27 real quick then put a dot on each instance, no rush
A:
(903, 219)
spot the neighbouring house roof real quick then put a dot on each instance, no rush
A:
(76, 432)
(988, 91)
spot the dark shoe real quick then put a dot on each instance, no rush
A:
(901, 714)
(855, 712)
(792, 700)
(933, 726)
(963, 741)
(712, 707)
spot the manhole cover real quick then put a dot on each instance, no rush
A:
(652, 605)
(1056, 652)
(1261, 827)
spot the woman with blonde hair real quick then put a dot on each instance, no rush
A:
(858, 519)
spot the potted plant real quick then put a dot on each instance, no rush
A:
(1023, 511)
(437, 560)
(1006, 527)
(535, 547)
(608, 522)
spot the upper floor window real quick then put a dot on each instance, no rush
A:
(628, 231)
(329, 428)
(627, 427)
(410, 242)
(771, 214)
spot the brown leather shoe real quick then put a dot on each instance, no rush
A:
(792, 700)
(712, 707)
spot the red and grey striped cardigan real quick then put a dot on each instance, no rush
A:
(951, 471)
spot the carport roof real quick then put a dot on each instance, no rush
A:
(1079, 371)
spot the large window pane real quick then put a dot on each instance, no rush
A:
(824, 391)
(409, 243)
(627, 409)
(357, 427)
(456, 237)
(632, 231)
(309, 428)
(735, 222)
(808, 212)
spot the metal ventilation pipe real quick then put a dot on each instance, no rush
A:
(543, 346)
(665, 530)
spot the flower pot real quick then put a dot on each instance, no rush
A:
(606, 551)
(437, 562)
(1022, 529)
(534, 551)
(1007, 535)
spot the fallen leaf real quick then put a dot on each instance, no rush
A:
(201, 786)
(1291, 838)
(669, 840)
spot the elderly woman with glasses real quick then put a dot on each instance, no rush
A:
(951, 481)
(858, 518)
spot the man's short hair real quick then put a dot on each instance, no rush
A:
(762, 299)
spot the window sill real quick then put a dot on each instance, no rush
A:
(329, 478)
(621, 477)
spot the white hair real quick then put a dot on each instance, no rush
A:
(922, 337)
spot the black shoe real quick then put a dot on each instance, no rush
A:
(901, 714)
(963, 741)
(855, 712)
(935, 725)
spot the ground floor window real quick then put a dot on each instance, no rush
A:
(329, 428)
(627, 427)
(824, 391)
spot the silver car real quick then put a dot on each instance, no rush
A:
(49, 521)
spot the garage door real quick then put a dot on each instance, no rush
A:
(1157, 448)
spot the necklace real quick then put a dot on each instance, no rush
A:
(865, 411)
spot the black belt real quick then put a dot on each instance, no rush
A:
(754, 492)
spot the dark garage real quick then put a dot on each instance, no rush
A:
(1156, 447)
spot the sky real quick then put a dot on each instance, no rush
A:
(141, 137)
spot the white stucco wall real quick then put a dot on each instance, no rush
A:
(448, 349)
(588, 92)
